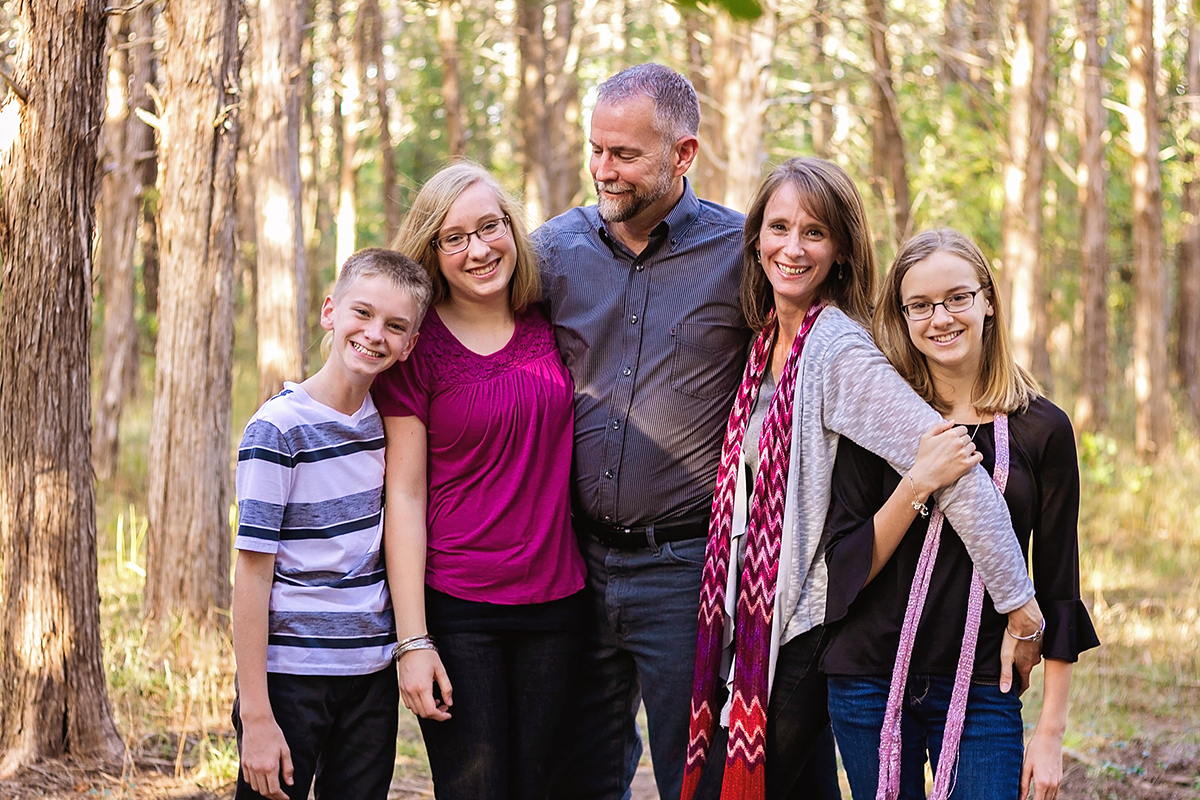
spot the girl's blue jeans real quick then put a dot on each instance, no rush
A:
(989, 754)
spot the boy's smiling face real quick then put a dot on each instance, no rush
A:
(374, 325)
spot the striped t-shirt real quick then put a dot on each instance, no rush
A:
(310, 490)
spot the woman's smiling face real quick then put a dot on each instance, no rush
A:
(952, 343)
(796, 250)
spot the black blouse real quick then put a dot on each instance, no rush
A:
(1043, 499)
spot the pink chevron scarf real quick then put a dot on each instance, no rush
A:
(889, 737)
(746, 754)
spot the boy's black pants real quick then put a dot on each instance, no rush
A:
(341, 731)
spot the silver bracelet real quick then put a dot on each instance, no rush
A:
(919, 507)
(423, 642)
(1036, 636)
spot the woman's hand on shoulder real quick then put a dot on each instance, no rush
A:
(419, 671)
(945, 454)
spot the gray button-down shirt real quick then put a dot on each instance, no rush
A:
(656, 344)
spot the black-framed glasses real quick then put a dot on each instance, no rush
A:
(955, 304)
(489, 231)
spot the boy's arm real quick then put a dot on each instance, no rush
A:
(265, 753)
(404, 553)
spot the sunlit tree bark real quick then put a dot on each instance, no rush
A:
(126, 142)
(54, 699)
(1091, 410)
(1187, 352)
(1153, 429)
(1024, 174)
(733, 87)
(187, 569)
(822, 117)
(282, 280)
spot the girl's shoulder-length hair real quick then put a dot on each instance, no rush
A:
(1003, 385)
(428, 212)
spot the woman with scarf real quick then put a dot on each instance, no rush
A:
(813, 376)
(934, 676)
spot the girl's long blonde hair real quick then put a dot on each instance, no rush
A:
(1003, 385)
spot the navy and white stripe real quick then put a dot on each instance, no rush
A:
(310, 491)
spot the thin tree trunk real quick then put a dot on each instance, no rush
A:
(562, 100)
(1023, 178)
(1153, 430)
(822, 118)
(54, 699)
(351, 114)
(535, 144)
(447, 31)
(888, 159)
(127, 139)
(1187, 353)
(189, 539)
(955, 31)
(282, 279)
(1091, 410)
(707, 174)
(391, 199)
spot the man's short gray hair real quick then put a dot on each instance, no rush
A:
(676, 108)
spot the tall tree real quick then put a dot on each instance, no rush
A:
(1153, 429)
(1091, 410)
(447, 32)
(548, 103)
(375, 37)
(52, 680)
(1024, 175)
(889, 167)
(822, 117)
(126, 142)
(1187, 352)
(350, 117)
(282, 279)
(732, 84)
(187, 570)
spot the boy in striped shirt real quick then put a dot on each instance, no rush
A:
(313, 629)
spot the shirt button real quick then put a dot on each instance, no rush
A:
(627, 372)
(607, 518)
(608, 473)
(640, 267)
(616, 424)
(633, 320)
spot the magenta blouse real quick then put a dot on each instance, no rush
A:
(499, 462)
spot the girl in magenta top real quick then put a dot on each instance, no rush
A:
(485, 573)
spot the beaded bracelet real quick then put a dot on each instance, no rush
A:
(1036, 636)
(918, 506)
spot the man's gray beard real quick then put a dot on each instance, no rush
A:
(633, 203)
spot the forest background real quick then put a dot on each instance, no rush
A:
(180, 179)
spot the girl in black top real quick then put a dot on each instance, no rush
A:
(939, 322)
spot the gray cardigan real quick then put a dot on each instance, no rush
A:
(846, 387)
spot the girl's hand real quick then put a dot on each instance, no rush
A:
(944, 455)
(1042, 770)
(419, 671)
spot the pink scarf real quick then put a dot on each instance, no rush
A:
(889, 737)
(746, 753)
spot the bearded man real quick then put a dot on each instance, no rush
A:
(643, 291)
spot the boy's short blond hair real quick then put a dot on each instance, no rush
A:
(402, 271)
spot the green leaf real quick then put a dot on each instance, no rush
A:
(738, 9)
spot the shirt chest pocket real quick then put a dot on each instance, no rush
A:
(707, 359)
